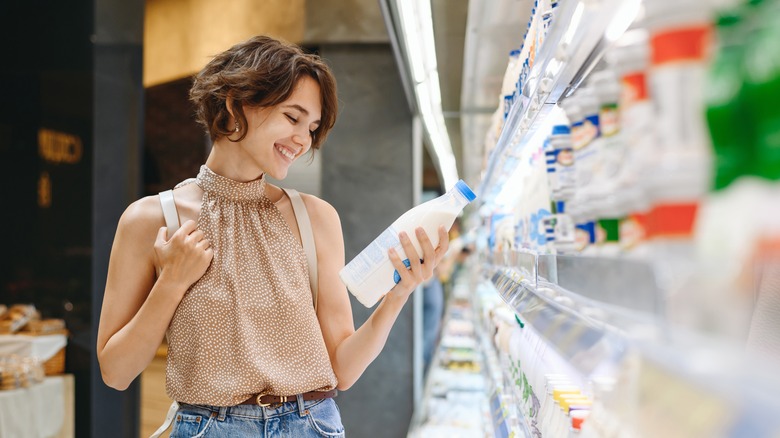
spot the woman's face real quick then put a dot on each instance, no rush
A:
(278, 135)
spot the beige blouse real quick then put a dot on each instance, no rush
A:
(248, 325)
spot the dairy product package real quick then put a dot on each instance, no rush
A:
(370, 275)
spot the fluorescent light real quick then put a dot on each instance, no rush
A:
(411, 32)
(623, 19)
(417, 26)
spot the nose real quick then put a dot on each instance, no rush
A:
(303, 141)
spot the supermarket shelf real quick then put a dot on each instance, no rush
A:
(584, 341)
(573, 46)
(681, 376)
(606, 280)
(494, 370)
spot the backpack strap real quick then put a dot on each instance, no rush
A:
(307, 239)
(169, 212)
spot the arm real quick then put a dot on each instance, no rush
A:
(352, 351)
(137, 309)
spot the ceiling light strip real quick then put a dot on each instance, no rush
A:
(418, 40)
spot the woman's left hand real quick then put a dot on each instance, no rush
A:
(420, 268)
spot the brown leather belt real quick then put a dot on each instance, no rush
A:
(267, 400)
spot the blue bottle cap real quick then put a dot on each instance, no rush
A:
(561, 130)
(465, 190)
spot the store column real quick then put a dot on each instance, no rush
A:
(117, 128)
(367, 175)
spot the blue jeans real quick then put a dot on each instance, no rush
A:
(316, 418)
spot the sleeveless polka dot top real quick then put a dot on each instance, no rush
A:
(248, 325)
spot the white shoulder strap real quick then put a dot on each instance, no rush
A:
(307, 238)
(168, 420)
(170, 212)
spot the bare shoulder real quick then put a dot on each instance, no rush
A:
(142, 216)
(320, 211)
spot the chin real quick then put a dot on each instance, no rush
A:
(278, 175)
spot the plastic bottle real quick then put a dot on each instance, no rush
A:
(552, 175)
(636, 126)
(608, 90)
(762, 85)
(679, 177)
(563, 160)
(587, 155)
(563, 230)
(370, 275)
(606, 186)
(555, 388)
(726, 115)
(511, 76)
(680, 33)
(577, 418)
(587, 147)
(558, 419)
(575, 115)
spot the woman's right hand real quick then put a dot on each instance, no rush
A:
(183, 258)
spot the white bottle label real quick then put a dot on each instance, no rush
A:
(372, 256)
(371, 273)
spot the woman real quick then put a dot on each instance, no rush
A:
(248, 353)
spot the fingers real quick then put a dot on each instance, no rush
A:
(429, 253)
(204, 244)
(444, 244)
(415, 270)
(404, 277)
(186, 228)
(197, 236)
(414, 262)
(162, 235)
(395, 259)
(188, 234)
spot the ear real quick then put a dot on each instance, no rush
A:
(229, 105)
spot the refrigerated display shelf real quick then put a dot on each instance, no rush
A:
(574, 44)
(698, 385)
(515, 424)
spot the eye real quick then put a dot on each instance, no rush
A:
(292, 119)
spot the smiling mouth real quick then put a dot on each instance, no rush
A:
(286, 152)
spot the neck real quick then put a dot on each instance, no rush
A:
(227, 159)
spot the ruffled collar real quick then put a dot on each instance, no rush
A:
(222, 187)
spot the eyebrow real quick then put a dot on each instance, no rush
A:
(301, 109)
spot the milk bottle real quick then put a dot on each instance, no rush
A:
(371, 274)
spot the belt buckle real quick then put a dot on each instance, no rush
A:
(259, 403)
(282, 400)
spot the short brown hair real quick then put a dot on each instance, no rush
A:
(259, 72)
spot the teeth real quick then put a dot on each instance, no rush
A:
(286, 152)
